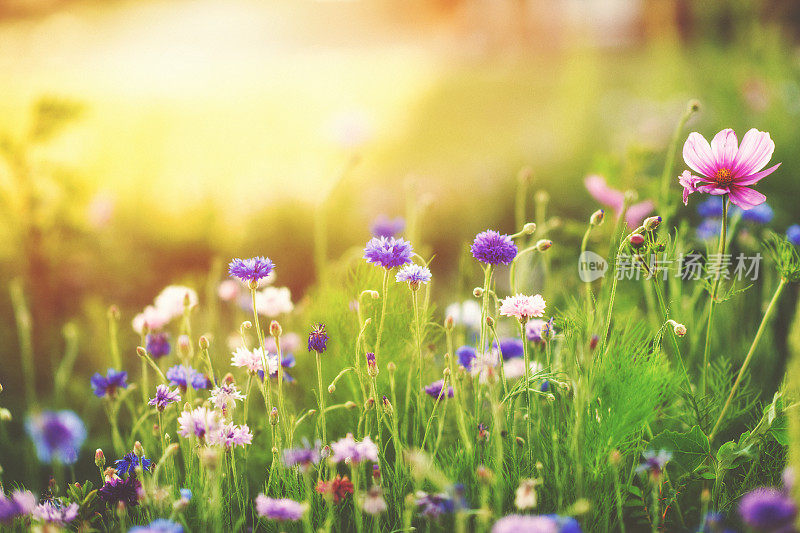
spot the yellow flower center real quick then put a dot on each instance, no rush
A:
(723, 176)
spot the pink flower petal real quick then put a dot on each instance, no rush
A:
(636, 213)
(754, 153)
(600, 191)
(698, 155)
(725, 145)
(746, 198)
(753, 178)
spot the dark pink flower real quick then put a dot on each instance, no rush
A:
(725, 167)
(600, 191)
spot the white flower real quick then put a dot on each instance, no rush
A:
(526, 494)
(484, 365)
(173, 298)
(515, 368)
(252, 360)
(229, 290)
(225, 397)
(466, 314)
(274, 301)
(151, 316)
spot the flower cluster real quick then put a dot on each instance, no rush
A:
(169, 304)
(55, 512)
(338, 488)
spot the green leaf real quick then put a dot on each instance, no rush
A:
(688, 449)
(731, 455)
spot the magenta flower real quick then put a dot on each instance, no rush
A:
(600, 191)
(725, 167)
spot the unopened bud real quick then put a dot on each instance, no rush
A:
(273, 416)
(651, 223)
(387, 406)
(203, 342)
(121, 509)
(349, 404)
(141, 352)
(446, 371)
(520, 442)
(374, 294)
(138, 449)
(331, 388)
(391, 367)
(597, 217)
(369, 404)
(614, 457)
(529, 228)
(543, 244)
(484, 474)
(247, 324)
(228, 378)
(636, 240)
(113, 312)
(677, 327)
(275, 329)
(490, 321)
(594, 341)
(184, 344)
(477, 292)
(449, 322)
(99, 458)
(372, 365)
(705, 496)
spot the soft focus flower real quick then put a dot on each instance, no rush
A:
(414, 275)
(173, 300)
(467, 313)
(434, 505)
(515, 368)
(317, 339)
(793, 234)
(252, 360)
(129, 462)
(157, 344)
(526, 494)
(768, 510)
(384, 226)
(539, 330)
(434, 390)
(55, 512)
(164, 397)
(230, 435)
(107, 385)
(515, 523)
(388, 252)
(654, 462)
(465, 355)
(708, 229)
(492, 248)
(289, 342)
(121, 490)
(161, 525)
(725, 167)
(18, 503)
(483, 366)
(356, 452)
(373, 502)
(510, 347)
(182, 376)
(57, 435)
(712, 208)
(304, 456)
(273, 301)
(198, 422)
(152, 317)
(251, 270)
(600, 191)
(229, 290)
(339, 487)
(280, 509)
(224, 397)
(523, 307)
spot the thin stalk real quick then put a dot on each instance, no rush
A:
(666, 176)
(384, 297)
(420, 408)
(526, 358)
(321, 399)
(715, 287)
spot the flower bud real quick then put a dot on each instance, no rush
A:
(372, 365)
(446, 372)
(138, 449)
(477, 292)
(677, 327)
(651, 223)
(349, 404)
(636, 240)
(113, 312)
(247, 324)
(449, 323)
(597, 217)
(387, 406)
(99, 458)
(331, 388)
(490, 321)
(391, 367)
(541, 197)
(543, 244)
(275, 329)
(529, 228)
(203, 342)
(121, 509)
(273, 416)
(228, 378)
(520, 442)
(484, 474)
(141, 352)
(369, 404)
(593, 341)
(615, 458)
(184, 344)
(5, 415)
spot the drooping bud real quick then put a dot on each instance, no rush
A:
(350, 404)
(490, 321)
(138, 449)
(477, 292)
(247, 324)
(331, 388)
(373, 294)
(275, 329)
(99, 458)
(543, 244)
(203, 342)
(636, 240)
(678, 328)
(529, 228)
(651, 223)
(597, 217)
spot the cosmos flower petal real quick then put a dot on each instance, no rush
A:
(754, 153)
(725, 145)
(636, 213)
(753, 178)
(698, 155)
(746, 198)
(600, 191)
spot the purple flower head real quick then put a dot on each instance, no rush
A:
(55, 512)
(384, 226)
(517, 523)
(107, 385)
(654, 462)
(157, 345)
(182, 376)
(492, 248)
(57, 435)
(160, 525)
(566, 524)
(510, 347)
(230, 435)
(164, 397)
(414, 275)
(317, 339)
(251, 270)
(769, 510)
(434, 505)
(388, 252)
(20, 503)
(279, 509)
(793, 234)
(200, 423)
(304, 456)
(434, 390)
(121, 490)
(356, 452)
(129, 462)
(465, 355)
(708, 229)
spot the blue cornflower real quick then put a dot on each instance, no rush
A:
(186, 494)
(566, 524)
(712, 208)
(317, 339)
(768, 509)
(57, 435)
(107, 385)
(434, 390)
(492, 248)
(793, 234)
(164, 396)
(510, 347)
(251, 270)
(413, 274)
(182, 376)
(129, 462)
(161, 525)
(434, 505)
(157, 345)
(121, 490)
(760, 214)
(708, 229)
(545, 386)
(384, 226)
(465, 355)
(388, 252)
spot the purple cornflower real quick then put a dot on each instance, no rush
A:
(434, 390)
(121, 490)
(654, 462)
(492, 248)
(708, 229)
(414, 275)
(465, 355)
(356, 452)
(57, 435)
(566, 524)
(55, 512)
(384, 226)
(157, 345)
(279, 509)
(793, 234)
(129, 462)
(160, 525)
(305, 456)
(317, 339)
(231, 435)
(517, 523)
(434, 505)
(768, 510)
(164, 397)
(18, 503)
(182, 376)
(107, 385)
(199, 422)
(510, 347)
(251, 270)
(388, 252)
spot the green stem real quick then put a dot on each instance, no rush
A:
(384, 297)
(526, 358)
(321, 399)
(715, 287)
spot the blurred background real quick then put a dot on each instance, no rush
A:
(147, 142)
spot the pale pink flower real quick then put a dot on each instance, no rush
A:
(201, 423)
(229, 290)
(290, 342)
(252, 360)
(725, 167)
(523, 307)
(174, 298)
(152, 317)
(224, 397)
(230, 435)
(515, 367)
(600, 191)
(274, 301)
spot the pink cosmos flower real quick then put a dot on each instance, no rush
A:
(523, 307)
(600, 191)
(725, 167)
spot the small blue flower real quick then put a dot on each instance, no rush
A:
(465, 355)
(107, 385)
(317, 339)
(161, 525)
(768, 509)
(510, 347)
(793, 234)
(157, 345)
(182, 376)
(57, 435)
(709, 229)
(186, 494)
(760, 214)
(129, 462)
